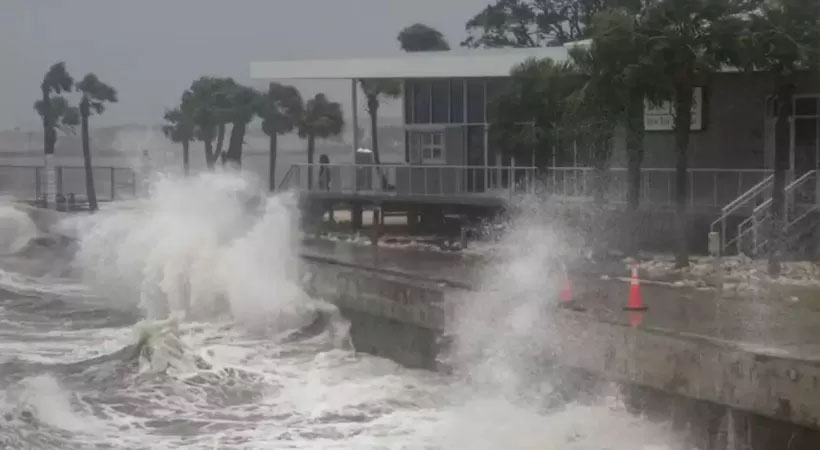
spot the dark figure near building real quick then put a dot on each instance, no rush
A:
(324, 173)
(324, 184)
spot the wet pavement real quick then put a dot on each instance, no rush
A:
(744, 324)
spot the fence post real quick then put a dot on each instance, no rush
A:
(425, 180)
(510, 179)
(37, 188)
(113, 185)
(691, 187)
(59, 181)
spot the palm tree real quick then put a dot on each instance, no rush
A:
(422, 38)
(322, 119)
(53, 111)
(281, 109)
(241, 109)
(180, 128)
(373, 89)
(209, 103)
(95, 94)
(783, 39)
(686, 41)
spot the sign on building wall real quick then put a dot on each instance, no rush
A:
(661, 117)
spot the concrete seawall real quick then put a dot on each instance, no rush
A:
(402, 316)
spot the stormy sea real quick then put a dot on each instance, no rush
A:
(178, 320)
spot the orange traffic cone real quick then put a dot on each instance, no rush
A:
(567, 301)
(566, 289)
(634, 303)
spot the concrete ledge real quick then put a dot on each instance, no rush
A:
(690, 365)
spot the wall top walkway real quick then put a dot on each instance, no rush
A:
(754, 326)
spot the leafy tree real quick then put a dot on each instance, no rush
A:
(536, 23)
(209, 103)
(54, 110)
(322, 119)
(63, 117)
(95, 94)
(688, 39)
(241, 108)
(180, 128)
(783, 38)
(618, 71)
(281, 109)
(422, 38)
(534, 109)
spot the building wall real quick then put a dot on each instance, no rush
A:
(735, 126)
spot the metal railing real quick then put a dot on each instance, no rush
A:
(28, 182)
(707, 188)
(410, 180)
(801, 202)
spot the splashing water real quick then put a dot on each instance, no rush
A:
(17, 229)
(212, 266)
(198, 248)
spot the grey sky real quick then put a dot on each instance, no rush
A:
(150, 50)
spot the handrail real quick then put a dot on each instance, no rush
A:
(753, 222)
(287, 177)
(746, 196)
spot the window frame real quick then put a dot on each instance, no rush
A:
(423, 146)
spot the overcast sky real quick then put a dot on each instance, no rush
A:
(150, 50)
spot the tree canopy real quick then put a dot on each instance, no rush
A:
(422, 38)
(280, 108)
(96, 93)
(322, 118)
(536, 23)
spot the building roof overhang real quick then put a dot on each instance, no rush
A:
(461, 63)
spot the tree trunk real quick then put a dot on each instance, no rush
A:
(90, 192)
(310, 149)
(634, 155)
(683, 122)
(234, 155)
(785, 93)
(272, 168)
(48, 127)
(49, 140)
(634, 150)
(220, 140)
(210, 158)
(186, 164)
(373, 110)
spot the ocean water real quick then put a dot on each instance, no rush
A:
(179, 321)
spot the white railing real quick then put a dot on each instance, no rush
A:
(800, 203)
(410, 180)
(27, 182)
(707, 188)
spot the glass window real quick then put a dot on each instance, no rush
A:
(408, 101)
(475, 101)
(429, 146)
(457, 101)
(805, 106)
(495, 89)
(421, 102)
(441, 101)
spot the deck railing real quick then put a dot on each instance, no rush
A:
(410, 180)
(27, 182)
(707, 188)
